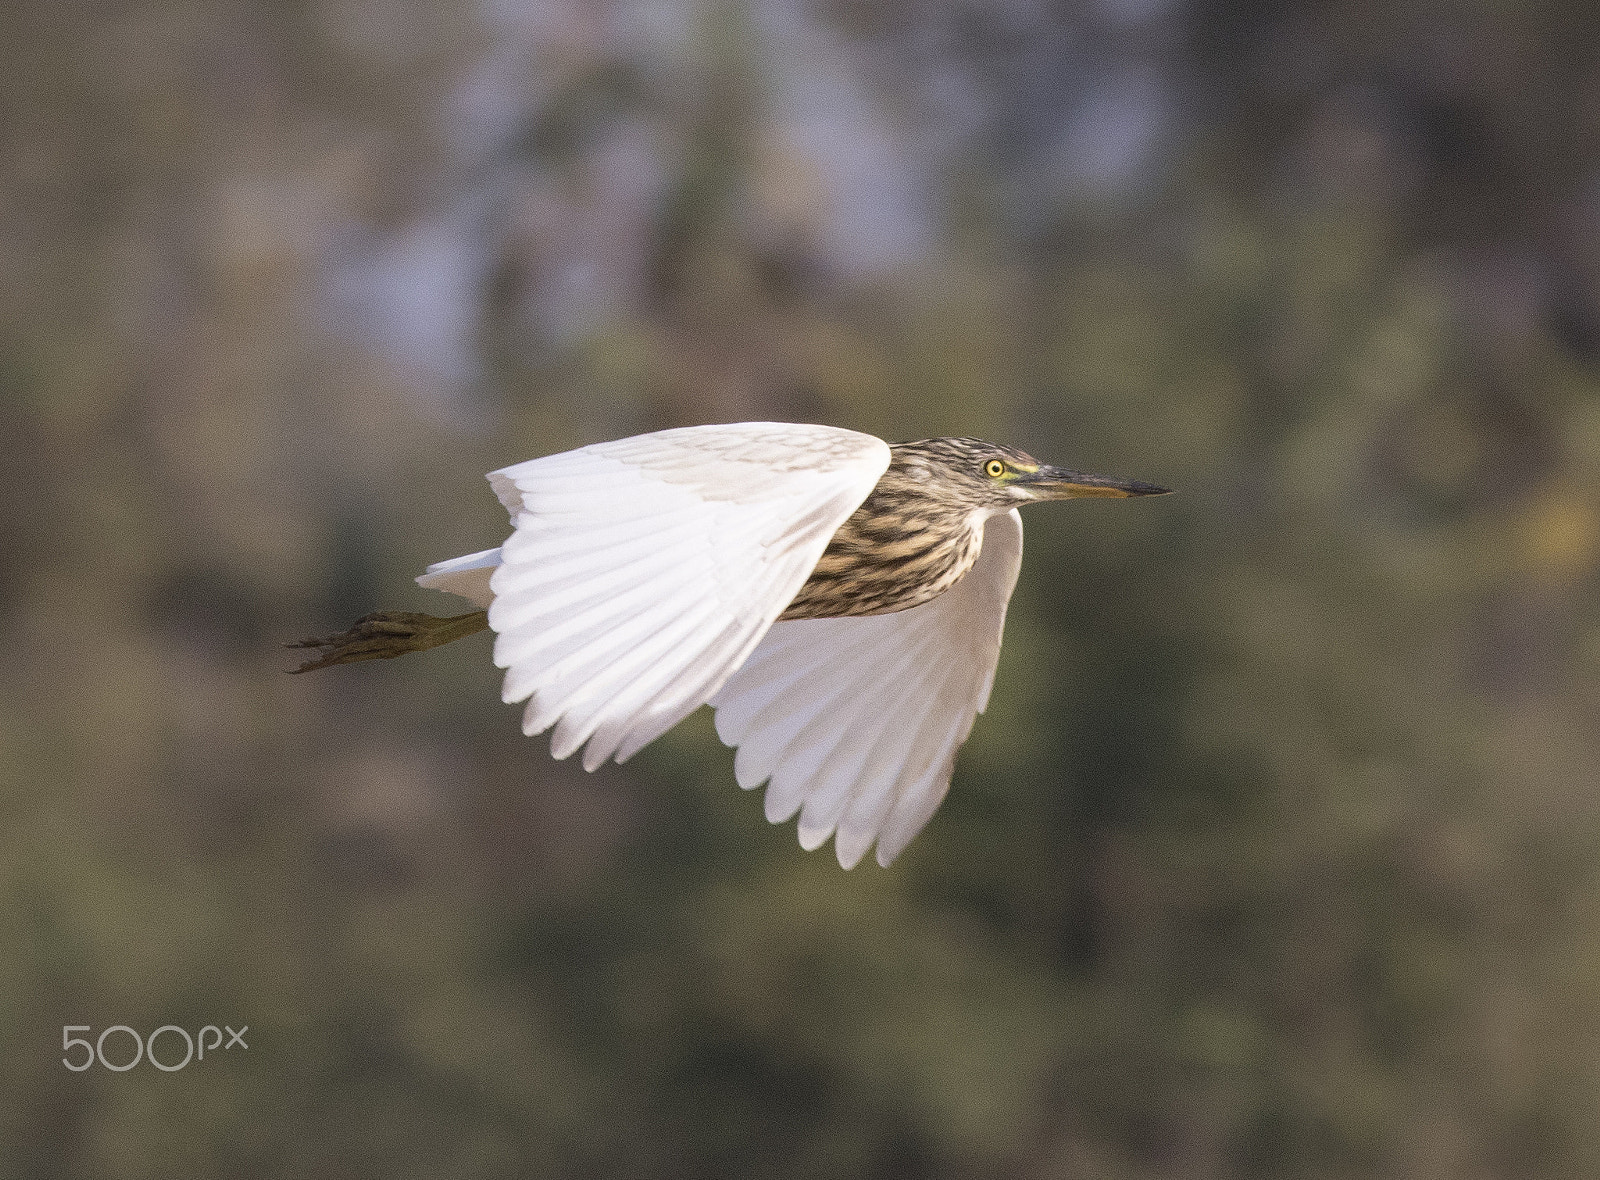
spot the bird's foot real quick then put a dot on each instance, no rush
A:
(385, 634)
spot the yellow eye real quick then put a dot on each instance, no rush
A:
(994, 469)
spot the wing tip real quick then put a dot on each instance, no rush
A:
(850, 846)
(812, 839)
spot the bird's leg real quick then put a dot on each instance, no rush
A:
(385, 634)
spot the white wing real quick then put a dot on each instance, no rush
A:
(857, 721)
(642, 572)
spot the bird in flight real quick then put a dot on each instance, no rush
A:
(838, 602)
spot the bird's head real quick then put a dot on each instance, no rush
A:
(991, 478)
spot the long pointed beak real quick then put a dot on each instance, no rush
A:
(1057, 483)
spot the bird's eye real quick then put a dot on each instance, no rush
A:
(994, 469)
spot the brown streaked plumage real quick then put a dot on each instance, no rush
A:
(921, 528)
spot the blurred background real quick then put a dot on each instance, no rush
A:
(1278, 851)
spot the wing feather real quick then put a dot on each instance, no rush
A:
(855, 722)
(876, 752)
(832, 759)
(641, 573)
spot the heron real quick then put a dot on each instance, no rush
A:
(838, 601)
